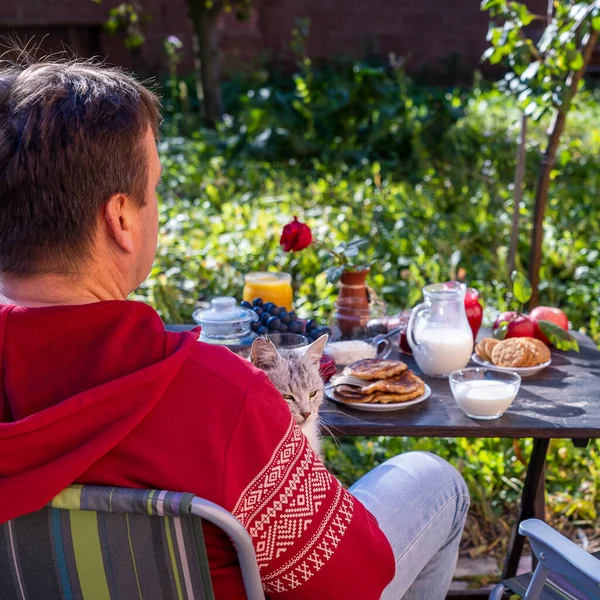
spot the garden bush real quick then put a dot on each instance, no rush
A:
(426, 174)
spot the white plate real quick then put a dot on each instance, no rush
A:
(522, 371)
(330, 393)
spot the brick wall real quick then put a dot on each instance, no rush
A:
(428, 32)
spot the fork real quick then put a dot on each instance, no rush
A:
(348, 380)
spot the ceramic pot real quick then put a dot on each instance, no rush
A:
(352, 306)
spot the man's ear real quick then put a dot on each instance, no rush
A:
(118, 217)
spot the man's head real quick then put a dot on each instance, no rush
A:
(78, 171)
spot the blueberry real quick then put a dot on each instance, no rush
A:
(310, 325)
(282, 328)
(315, 334)
(282, 310)
(275, 311)
(245, 304)
(257, 302)
(269, 306)
(262, 330)
(273, 323)
(258, 310)
(265, 317)
(286, 319)
(292, 315)
(256, 326)
(295, 327)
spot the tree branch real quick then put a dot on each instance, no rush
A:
(583, 17)
(532, 47)
(556, 129)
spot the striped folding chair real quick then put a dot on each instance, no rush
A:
(102, 543)
(564, 571)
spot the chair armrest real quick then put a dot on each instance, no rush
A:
(559, 553)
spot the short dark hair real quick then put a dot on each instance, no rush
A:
(71, 136)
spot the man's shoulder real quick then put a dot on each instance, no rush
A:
(209, 364)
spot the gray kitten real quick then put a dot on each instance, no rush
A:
(295, 373)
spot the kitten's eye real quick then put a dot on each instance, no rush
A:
(288, 397)
(313, 394)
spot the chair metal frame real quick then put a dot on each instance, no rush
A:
(555, 554)
(205, 509)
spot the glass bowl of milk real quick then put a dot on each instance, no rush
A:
(484, 393)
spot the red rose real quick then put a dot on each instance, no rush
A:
(296, 236)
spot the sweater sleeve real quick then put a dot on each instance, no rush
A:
(312, 538)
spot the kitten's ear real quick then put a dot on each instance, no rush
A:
(315, 350)
(264, 354)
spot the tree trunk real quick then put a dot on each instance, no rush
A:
(556, 128)
(207, 59)
(518, 192)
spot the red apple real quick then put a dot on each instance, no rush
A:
(518, 325)
(511, 315)
(548, 313)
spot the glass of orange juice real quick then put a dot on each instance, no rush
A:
(271, 287)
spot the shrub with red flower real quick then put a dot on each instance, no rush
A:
(298, 236)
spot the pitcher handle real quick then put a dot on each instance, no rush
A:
(416, 311)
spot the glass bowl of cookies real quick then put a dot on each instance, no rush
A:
(524, 355)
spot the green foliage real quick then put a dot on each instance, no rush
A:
(361, 151)
(425, 174)
(494, 470)
(540, 70)
(126, 17)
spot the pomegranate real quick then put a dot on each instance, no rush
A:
(474, 310)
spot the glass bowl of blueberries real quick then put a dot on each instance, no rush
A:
(274, 319)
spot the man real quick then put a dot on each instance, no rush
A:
(93, 390)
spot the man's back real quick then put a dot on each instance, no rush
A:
(101, 394)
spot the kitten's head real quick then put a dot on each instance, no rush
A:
(295, 373)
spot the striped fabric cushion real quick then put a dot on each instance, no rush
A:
(94, 543)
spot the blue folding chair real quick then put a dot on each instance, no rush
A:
(564, 571)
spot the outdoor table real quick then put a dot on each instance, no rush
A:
(562, 402)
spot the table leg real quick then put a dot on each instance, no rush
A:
(527, 510)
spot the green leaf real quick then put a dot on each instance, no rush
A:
(521, 287)
(502, 330)
(596, 23)
(333, 274)
(574, 59)
(559, 338)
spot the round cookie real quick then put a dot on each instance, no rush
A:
(514, 352)
(540, 350)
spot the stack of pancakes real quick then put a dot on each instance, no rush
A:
(386, 381)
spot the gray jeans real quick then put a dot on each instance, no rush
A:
(421, 503)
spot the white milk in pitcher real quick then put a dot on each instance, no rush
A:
(439, 351)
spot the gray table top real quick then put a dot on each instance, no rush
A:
(562, 401)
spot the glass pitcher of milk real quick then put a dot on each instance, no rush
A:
(438, 330)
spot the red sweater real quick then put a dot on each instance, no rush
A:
(101, 394)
